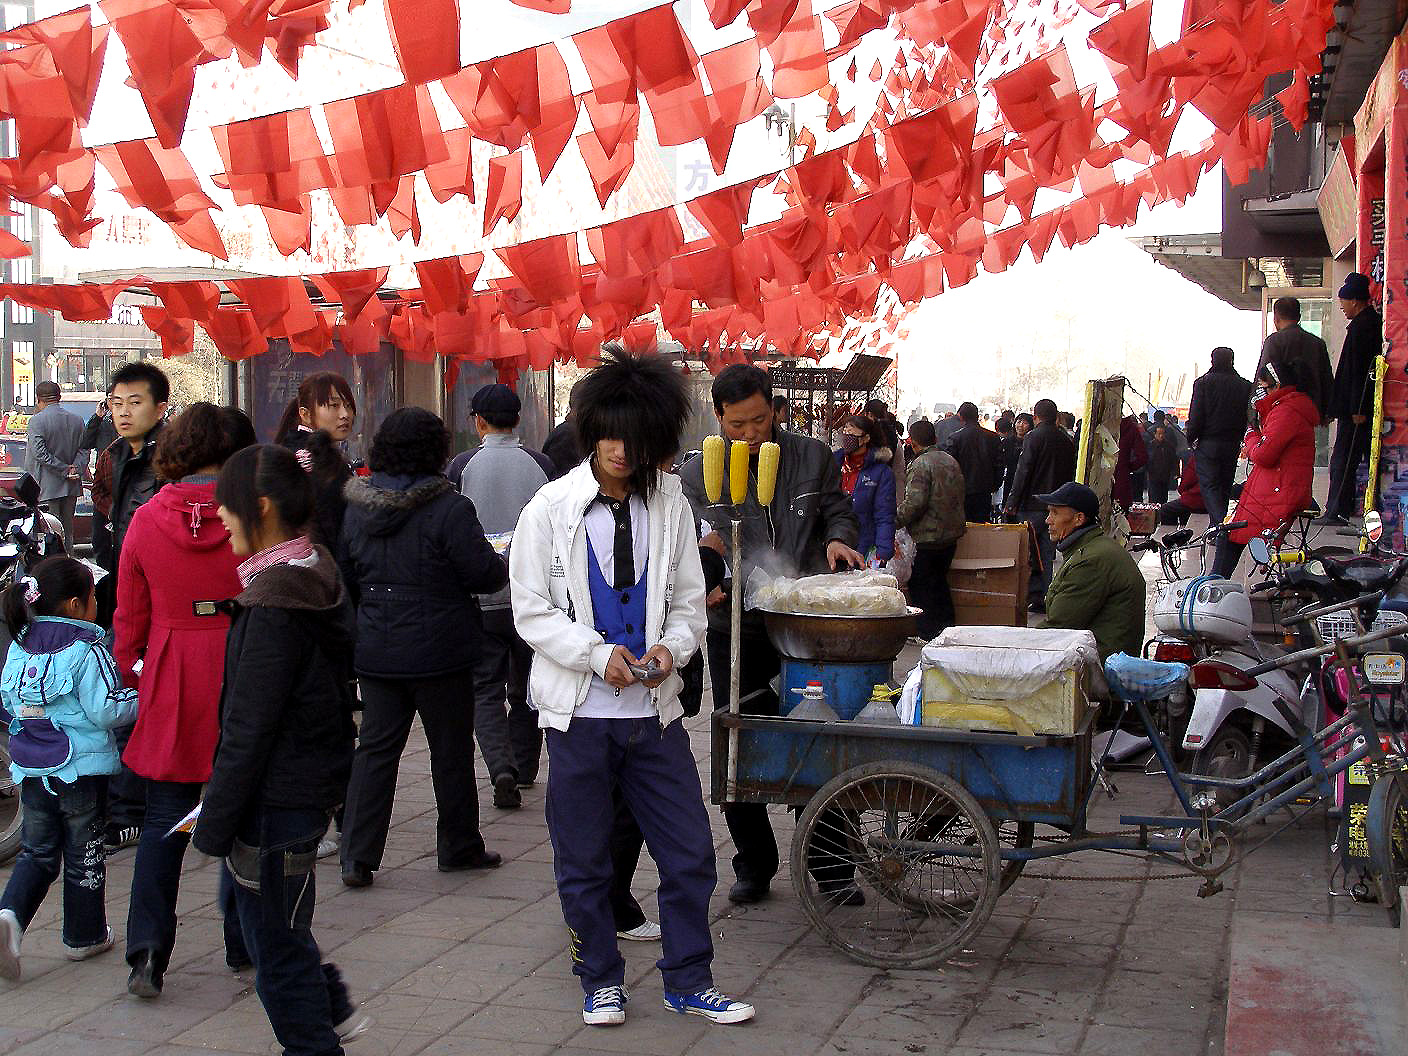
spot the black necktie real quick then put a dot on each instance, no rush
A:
(624, 563)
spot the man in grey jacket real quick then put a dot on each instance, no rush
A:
(54, 435)
(810, 522)
(499, 477)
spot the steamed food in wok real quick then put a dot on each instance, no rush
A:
(860, 593)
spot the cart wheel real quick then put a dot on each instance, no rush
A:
(921, 905)
(1386, 828)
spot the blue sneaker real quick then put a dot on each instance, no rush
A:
(605, 1008)
(710, 1004)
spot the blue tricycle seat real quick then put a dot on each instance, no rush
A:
(1132, 678)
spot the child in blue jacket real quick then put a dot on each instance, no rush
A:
(60, 697)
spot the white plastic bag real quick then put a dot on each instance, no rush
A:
(902, 564)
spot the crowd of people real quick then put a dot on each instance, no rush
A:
(258, 598)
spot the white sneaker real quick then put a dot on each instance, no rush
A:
(82, 953)
(10, 935)
(353, 1027)
(329, 844)
(649, 931)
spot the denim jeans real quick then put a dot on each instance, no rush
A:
(65, 825)
(156, 874)
(302, 997)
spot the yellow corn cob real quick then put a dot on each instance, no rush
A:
(714, 467)
(738, 472)
(768, 456)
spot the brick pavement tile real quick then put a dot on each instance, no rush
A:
(899, 1025)
(32, 1007)
(651, 1030)
(499, 1022)
(152, 1021)
(1022, 1029)
(805, 1019)
(1088, 932)
(63, 1043)
(820, 987)
(411, 1014)
(469, 1045)
(841, 1045)
(758, 1038)
(1154, 1013)
(1076, 953)
(243, 1027)
(381, 943)
(548, 938)
(550, 989)
(1103, 1040)
(1033, 975)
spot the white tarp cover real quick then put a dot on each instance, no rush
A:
(1008, 663)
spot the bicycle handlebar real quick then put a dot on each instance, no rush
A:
(1325, 610)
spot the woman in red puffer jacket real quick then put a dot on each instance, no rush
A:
(176, 570)
(1282, 457)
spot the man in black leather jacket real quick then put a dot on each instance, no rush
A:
(809, 524)
(1048, 460)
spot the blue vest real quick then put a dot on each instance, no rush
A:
(620, 614)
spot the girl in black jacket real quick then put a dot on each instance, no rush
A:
(286, 740)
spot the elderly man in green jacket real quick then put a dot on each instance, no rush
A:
(1098, 587)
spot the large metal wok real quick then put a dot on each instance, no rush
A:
(839, 639)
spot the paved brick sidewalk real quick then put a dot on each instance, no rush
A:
(452, 964)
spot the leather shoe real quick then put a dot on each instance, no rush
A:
(482, 860)
(356, 874)
(746, 892)
(506, 794)
(145, 980)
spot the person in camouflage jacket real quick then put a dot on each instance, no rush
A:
(932, 511)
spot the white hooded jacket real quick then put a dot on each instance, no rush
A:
(552, 604)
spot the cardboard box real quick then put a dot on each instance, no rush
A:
(990, 574)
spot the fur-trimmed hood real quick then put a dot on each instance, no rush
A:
(390, 499)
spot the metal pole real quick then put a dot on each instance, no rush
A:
(735, 640)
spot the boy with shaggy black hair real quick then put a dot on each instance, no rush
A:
(608, 592)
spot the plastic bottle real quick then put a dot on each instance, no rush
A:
(813, 705)
(880, 708)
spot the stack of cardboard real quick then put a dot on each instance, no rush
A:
(990, 574)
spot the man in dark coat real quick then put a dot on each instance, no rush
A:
(810, 519)
(1048, 460)
(1352, 399)
(1290, 343)
(979, 454)
(1217, 422)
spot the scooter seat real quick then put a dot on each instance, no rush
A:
(1132, 678)
(1367, 574)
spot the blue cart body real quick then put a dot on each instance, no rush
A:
(1040, 779)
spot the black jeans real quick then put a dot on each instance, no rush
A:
(1158, 490)
(1227, 556)
(1043, 559)
(127, 793)
(304, 998)
(156, 874)
(1351, 451)
(828, 859)
(928, 587)
(977, 507)
(1216, 464)
(389, 705)
(63, 829)
(509, 740)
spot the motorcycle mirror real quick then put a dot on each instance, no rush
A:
(1261, 553)
(1373, 525)
(1217, 674)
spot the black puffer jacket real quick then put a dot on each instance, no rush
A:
(1048, 460)
(1218, 410)
(414, 555)
(286, 732)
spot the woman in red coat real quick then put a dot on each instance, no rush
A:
(176, 567)
(1282, 457)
